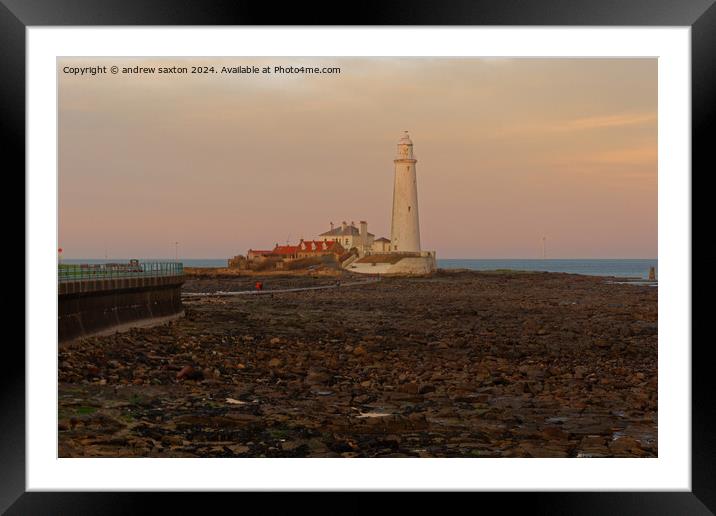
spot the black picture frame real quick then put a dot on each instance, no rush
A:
(700, 15)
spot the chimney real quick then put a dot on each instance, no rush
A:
(331, 225)
(344, 225)
(364, 234)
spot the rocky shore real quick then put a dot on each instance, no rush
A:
(459, 364)
(235, 274)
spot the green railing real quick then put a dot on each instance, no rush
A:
(132, 269)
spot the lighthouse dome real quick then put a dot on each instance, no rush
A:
(405, 140)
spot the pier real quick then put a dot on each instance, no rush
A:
(95, 298)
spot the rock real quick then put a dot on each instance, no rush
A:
(591, 441)
(317, 378)
(290, 445)
(275, 362)
(238, 449)
(533, 372)
(359, 350)
(426, 388)
(169, 440)
(410, 388)
(579, 372)
(190, 373)
(554, 433)
(624, 444)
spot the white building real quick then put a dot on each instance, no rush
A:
(381, 245)
(349, 236)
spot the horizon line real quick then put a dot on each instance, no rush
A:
(500, 258)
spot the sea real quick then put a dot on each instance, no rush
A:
(622, 268)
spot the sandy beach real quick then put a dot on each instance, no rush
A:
(459, 364)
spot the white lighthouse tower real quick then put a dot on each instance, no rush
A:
(405, 227)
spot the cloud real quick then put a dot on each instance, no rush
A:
(615, 121)
(599, 122)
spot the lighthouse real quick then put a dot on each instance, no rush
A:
(405, 228)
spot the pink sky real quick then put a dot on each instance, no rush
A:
(508, 150)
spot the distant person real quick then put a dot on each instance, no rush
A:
(259, 285)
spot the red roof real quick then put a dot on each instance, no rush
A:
(318, 245)
(285, 249)
(311, 245)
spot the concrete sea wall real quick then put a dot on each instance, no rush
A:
(419, 264)
(92, 306)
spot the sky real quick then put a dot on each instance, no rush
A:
(509, 151)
